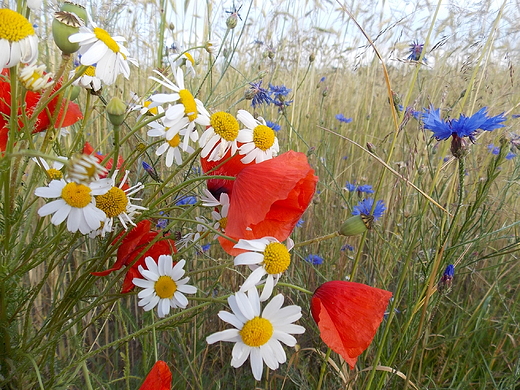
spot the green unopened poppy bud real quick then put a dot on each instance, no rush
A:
(74, 92)
(232, 21)
(312, 57)
(354, 225)
(76, 9)
(64, 25)
(171, 26)
(116, 110)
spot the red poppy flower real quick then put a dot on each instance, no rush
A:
(69, 113)
(348, 315)
(88, 149)
(159, 377)
(269, 198)
(131, 246)
(227, 166)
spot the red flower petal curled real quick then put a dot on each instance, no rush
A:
(348, 315)
(269, 198)
(159, 377)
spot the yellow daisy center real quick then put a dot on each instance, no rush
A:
(225, 125)
(13, 26)
(190, 58)
(105, 37)
(276, 258)
(91, 71)
(175, 141)
(263, 137)
(165, 287)
(54, 174)
(113, 203)
(190, 107)
(223, 222)
(256, 332)
(76, 195)
(152, 111)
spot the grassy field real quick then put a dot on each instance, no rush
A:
(64, 328)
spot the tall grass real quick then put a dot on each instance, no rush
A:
(70, 329)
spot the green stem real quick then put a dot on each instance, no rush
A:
(323, 369)
(317, 239)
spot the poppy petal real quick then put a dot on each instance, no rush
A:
(348, 315)
(269, 198)
(159, 377)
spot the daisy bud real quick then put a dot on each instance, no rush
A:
(116, 109)
(353, 226)
(64, 25)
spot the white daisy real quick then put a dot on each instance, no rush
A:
(259, 140)
(258, 334)
(98, 47)
(144, 106)
(117, 203)
(212, 46)
(186, 113)
(220, 137)
(18, 42)
(266, 256)
(220, 217)
(34, 77)
(84, 168)
(188, 61)
(55, 172)
(163, 286)
(87, 80)
(172, 137)
(76, 204)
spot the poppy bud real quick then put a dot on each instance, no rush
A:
(64, 25)
(116, 109)
(354, 225)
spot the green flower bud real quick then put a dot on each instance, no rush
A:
(355, 225)
(64, 25)
(232, 21)
(76, 9)
(116, 110)
(312, 57)
(74, 92)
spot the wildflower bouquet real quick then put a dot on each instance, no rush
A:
(136, 225)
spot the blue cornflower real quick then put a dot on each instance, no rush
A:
(322, 79)
(463, 127)
(364, 207)
(350, 186)
(205, 247)
(278, 90)
(257, 94)
(366, 188)
(495, 150)
(343, 118)
(314, 259)
(185, 200)
(151, 171)
(300, 223)
(273, 125)
(447, 278)
(348, 247)
(415, 51)
(279, 93)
